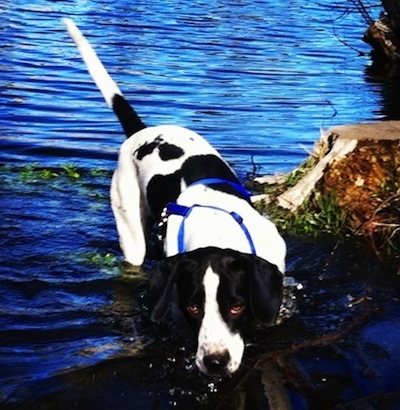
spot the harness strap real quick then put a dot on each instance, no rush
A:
(184, 211)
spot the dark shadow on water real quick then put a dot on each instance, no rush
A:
(387, 77)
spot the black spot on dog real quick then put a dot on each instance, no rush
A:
(161, 190)
(166, 151)
(144, 150)
(147, 149)
(206, 166)
(169, 151)
(210, 166)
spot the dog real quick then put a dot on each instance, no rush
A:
(223, 263)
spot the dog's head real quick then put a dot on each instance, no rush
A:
(220, 291)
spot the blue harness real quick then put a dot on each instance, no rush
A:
(184, 211)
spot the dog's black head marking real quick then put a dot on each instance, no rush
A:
(249, 286)
(262, 279)
(163, 280)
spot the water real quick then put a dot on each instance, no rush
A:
(257, 79)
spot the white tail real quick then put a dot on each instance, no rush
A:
(104, 82)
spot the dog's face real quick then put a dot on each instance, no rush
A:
(221, 292)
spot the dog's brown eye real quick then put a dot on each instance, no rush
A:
(236, 309)
(193, 309)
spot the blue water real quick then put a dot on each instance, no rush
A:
(258, 79)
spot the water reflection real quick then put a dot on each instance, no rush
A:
(386, 79)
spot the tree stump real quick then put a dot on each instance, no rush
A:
(383, 35)
(349, 184)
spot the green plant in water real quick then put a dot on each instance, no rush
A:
(5, 168)
(29, 172)
(98, 172)
(48, 174)
(32, 173)
(104, 260)
(71, 171)
(96, 258)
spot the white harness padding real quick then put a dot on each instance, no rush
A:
(184, 211)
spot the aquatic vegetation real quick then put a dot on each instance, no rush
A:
(35, 174)
(106, 259)
(71, 171)
(34, 171)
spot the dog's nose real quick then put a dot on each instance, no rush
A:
(216, 363)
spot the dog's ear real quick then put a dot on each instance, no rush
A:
(162, 280)
(265, 291)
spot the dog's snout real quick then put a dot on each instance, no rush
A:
(217, 363)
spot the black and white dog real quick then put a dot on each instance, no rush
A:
(224, 262)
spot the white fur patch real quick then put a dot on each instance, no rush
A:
(215, 337)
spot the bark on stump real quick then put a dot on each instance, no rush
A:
(358, 167)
